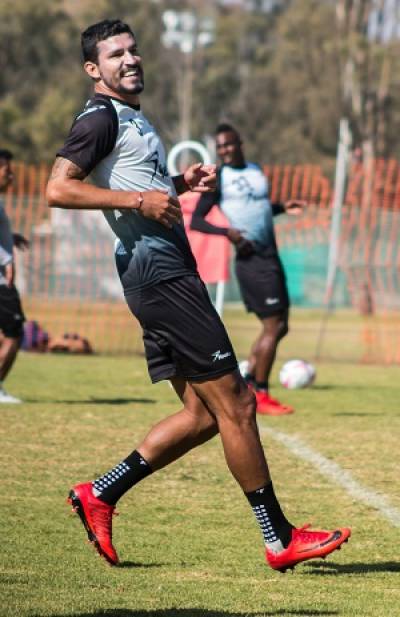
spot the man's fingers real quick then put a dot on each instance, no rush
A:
(174, 215)
(174, 211)
(164, 220)
(208, 179)
(209, 169)
(174, 201)
(203, 189)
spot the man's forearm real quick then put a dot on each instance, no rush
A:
(198, 223)
(78, 195)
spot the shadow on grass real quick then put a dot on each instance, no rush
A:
(138, 564)
(342, 387)
(335, 569)
(324, 386)
(96, 401)
(355, 414)
(200, 612)
(121, 401)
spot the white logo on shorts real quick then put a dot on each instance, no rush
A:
(217, 355)
(271, 300)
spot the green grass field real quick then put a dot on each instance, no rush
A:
(188, 542)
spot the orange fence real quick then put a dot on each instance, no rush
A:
(69, 284)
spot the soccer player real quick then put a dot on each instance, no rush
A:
(11, 313)
(242, 195)
(112, 142)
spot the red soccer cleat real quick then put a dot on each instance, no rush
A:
(96, 517)
(307, 545)
(269, 406)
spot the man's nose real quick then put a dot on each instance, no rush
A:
(132, 58)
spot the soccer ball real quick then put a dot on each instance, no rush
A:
(297, 374)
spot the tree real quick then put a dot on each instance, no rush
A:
(35, 40)
(368, 55)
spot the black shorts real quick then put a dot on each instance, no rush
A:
(182, 332)
(262, 284)
(11, 314)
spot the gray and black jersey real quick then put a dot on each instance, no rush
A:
(119, 149)
(6, 243)
(242, 195)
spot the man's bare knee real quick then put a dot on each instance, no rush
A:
(246, 410)
(228, 399)
(241, 410)
(283, 329)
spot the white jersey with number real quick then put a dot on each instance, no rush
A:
(243, 198)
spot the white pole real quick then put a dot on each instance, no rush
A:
(219, 297)
(342, 161)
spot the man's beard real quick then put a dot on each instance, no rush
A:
(120, 89)
(135, 90)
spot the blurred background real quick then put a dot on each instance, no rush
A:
(314, 89)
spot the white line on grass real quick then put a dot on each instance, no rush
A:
(334, 472)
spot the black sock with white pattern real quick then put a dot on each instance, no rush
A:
(276, 529)
(261, 386)
(116, 482)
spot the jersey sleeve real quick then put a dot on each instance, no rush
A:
(277, 208)
(5, 257)
(92, 137)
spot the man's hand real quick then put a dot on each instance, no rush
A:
(294, 207)
(201, 178)
(161, 207)
(20, 241)
(9, 274)
(243, 246)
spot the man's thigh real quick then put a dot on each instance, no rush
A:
(182, 333)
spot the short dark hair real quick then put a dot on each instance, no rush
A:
(100, 32)
(224, 127)
(5, 154)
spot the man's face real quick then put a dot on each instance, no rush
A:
(6, 174)
(119, 65)
(229, 148)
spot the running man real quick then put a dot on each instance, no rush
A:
(11, 313)
(112, 142)
(242, 195)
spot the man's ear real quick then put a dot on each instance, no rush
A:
(92, 70)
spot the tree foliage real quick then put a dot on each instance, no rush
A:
(368, 54)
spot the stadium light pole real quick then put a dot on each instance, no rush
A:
(186, 31)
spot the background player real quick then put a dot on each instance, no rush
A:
(242, 195)
(185, 341)
(11, 313)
